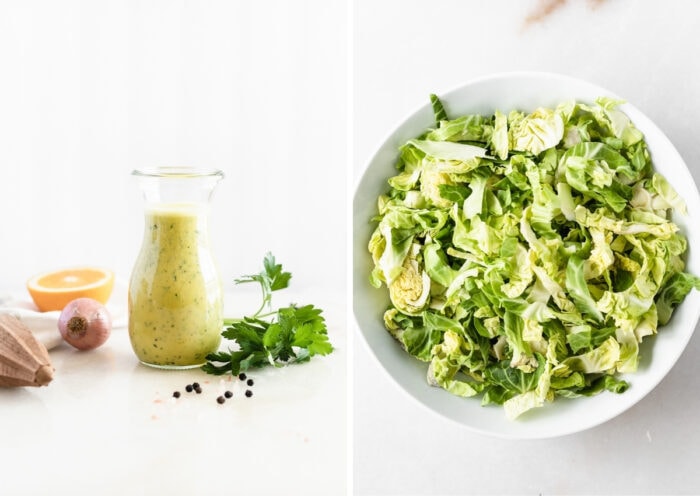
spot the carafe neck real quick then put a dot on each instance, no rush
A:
(173, 186)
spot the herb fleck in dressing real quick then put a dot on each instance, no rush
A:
(175, 311)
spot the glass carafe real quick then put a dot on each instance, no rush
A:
(175, 294)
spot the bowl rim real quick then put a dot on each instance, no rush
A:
(362, 173)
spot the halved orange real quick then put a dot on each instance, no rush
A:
(54, 290)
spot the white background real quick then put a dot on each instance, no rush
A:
(89, 91)
(92, 90)
(642, 50)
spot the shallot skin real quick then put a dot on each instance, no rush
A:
(85, 323)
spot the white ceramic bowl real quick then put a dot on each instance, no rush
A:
(505, 92)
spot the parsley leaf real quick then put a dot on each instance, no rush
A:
(271, 278)
(291, 334)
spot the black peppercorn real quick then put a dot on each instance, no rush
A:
(250, 382)
(242, 376)
(228, 394)
(248, 393)
(176, 394)
(195, 385)
(220, 400)
(188, 388)
(198, 390)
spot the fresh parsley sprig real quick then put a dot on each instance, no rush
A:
(281, 337)
(270, 279)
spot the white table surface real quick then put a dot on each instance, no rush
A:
(109, 425)
(643, 50)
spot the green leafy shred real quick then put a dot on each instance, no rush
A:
(288, 335)
(438, 109)
(526, 256)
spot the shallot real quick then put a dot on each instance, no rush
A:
(85, 323)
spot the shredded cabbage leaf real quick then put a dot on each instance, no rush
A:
(526, 256)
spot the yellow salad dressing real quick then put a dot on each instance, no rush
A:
(175, 300)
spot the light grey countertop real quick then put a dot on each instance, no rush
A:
(641, 50)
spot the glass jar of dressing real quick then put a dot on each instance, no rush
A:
(175, 295)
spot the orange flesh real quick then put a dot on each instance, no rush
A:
(54, 290)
